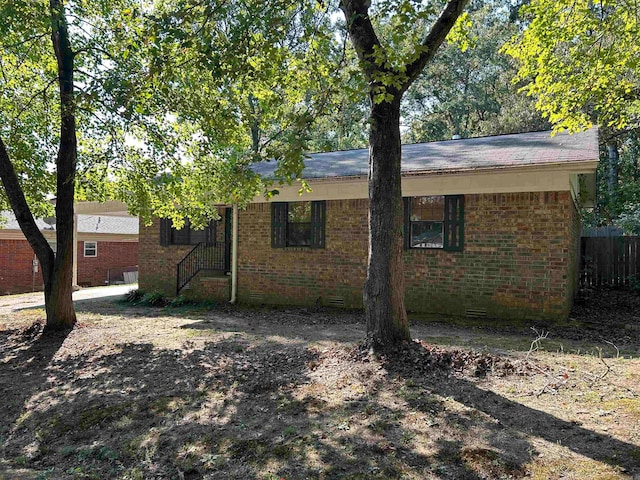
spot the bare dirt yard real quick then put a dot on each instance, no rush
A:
(138, 392)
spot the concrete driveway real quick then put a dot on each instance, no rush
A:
(11, 303)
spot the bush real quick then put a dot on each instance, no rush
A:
(180, 301)
(134, 296)
(154, 299)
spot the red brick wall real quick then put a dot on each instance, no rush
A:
(16, 259)
(111, 259)
(517, 261)
(298, 275)
(159, 271)
(16, 274)
(157, 263)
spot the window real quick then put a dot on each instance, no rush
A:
(90, 249)
(434, 222)
(186, 235)
(297, 224)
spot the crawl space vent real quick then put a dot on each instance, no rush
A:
(335, 301)
(256, 295)
(476, 313)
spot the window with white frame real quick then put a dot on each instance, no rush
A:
(90, 249)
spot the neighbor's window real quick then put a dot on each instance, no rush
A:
(90, 249)
(297, 224)
(434, 221)
(187, 235)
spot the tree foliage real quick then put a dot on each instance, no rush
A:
(580, 60)
(468, 91)
(164, 106)
(239, 83)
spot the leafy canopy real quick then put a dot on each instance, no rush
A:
(239, 83)
(175, 100)
(580, 60)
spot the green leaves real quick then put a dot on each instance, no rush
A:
(580, 60)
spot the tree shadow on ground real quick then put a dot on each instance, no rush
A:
(233, 407)
(508, 424)
(25, 355)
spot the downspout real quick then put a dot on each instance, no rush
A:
(234, 254)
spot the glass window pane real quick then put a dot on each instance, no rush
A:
(299, 234)
(90, 249)
(180, 237)
(197, 236)
(429, 208)
(427, 235)
(299, 212)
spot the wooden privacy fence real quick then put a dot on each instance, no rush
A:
(609, 261)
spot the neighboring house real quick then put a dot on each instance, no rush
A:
(491, 229)
(107, 248)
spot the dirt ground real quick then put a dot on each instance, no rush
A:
(217, 393)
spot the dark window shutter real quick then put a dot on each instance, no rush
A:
(210, 232)
(181, 237)
(453, 222)
(318, 220)
(407, 222)
(278, 224)
(165, 231)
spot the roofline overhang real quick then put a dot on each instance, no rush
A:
(576, 167)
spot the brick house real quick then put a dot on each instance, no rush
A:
(491, 229)
(107, 246)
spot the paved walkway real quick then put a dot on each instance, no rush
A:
(11, 303)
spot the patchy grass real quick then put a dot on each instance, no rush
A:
(136, 393)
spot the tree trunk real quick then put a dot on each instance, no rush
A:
(384, 288)
(612, 181)
(57, 270)
(59, 286)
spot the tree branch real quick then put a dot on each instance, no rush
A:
(434, 39)
(26, 40)
(21, 209)
(362, 34)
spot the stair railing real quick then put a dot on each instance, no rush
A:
(204, 256)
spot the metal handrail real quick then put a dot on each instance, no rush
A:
(204, 256)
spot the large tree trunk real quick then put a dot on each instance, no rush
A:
(384, 288)
(57, 270)
(59, 287)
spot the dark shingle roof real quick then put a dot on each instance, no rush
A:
(86, 224)
(536, 148)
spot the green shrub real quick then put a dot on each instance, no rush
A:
(180, 301)
(155, 299)
(134, 296)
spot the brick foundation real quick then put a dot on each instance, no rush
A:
(203, 288)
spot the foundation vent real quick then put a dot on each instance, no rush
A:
(335, 301)
(256, 295)
(476, 313)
